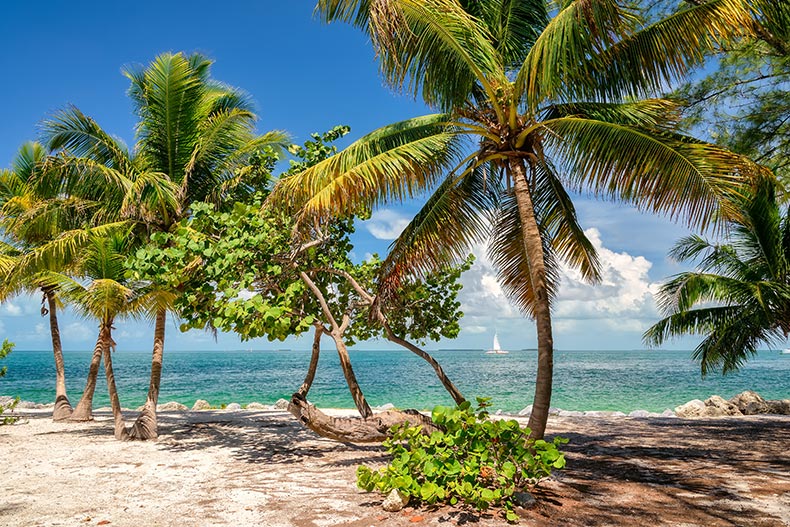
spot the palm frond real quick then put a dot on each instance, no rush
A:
(647, 61)
(556, 217)
(72, 131)
(508, 253)
(392, 163)
(581, 29)
(458, 214)
(430, 47)
(662, 173)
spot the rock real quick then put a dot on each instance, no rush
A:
(256, 406)
(281, 404)
(781, 407)
(668, 413)
(384, 407)
(694, 408)
(570, 413)
(201, 404)
(617, 414)
(718, 407)
(603, 413)
(524, 499)
(527, 411)
(750, 403)
(395, 501)
(6, 401)
(554, 411)
(27, 405)
(640, 414)
(172, 406)
(498, 412)
(233, 407)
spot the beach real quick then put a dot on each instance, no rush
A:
(262, 468)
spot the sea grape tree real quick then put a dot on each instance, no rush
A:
(252, 270)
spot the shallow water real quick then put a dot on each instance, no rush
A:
(584, 380)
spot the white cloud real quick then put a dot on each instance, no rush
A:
(623, 298)
(386, 224)
(78, 331)
(622, 303)
(12, 310)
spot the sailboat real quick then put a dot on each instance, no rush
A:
(496, 349)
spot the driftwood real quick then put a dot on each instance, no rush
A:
(374, 429)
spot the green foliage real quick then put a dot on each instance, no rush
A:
(6, 348)
(738, 297)
(475, 460)
(240, 270)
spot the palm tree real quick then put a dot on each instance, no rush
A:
(739, 295)
(29, 221)
(193, 135)
(534, 98)
(100, 291)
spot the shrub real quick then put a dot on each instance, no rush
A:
(5, 350)
(474, 460)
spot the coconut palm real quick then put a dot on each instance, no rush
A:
(99, 291)
(535, 99)
(29, 222)
(738, 298)
(193, 135)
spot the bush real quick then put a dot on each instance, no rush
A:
(475, 460)
(5, 350)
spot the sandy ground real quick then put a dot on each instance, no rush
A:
(261, 468)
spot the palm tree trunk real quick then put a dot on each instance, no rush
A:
(84, 408)
(105, 335)
(146, 427)
(308, 379)
(63, 409)
(351, 379)
(533, 246)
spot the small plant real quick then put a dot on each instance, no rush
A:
(474, 460)
(6, 348)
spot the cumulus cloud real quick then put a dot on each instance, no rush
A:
(12, 310)
(78, 331)
(386, 224)
(621, 303)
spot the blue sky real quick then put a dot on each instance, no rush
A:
(304, 76)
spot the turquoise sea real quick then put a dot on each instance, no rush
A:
(584, 380)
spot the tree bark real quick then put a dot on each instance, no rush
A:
(533, 246)
(351, 379)
(63, 409)
(446, 382)
(84, 409)
(308, 379)
(373, 429)
(105, 335)
(145, 426)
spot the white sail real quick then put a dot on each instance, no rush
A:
(496, 349)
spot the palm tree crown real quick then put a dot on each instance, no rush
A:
(535, 98)
(738, 298)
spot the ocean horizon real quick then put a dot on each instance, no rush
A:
(606, 380)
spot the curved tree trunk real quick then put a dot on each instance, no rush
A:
(145, 426)
(372, 429)
(84, 409)
(308, 379)
(446, 382)
(105, 335)
(533, 246)
(63, 409)
(351, 379)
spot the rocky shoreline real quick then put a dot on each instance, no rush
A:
(747, 403)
